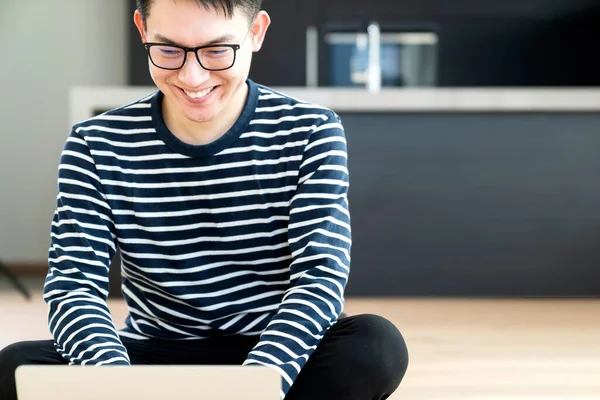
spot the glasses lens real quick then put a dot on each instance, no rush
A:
(218, 57)
(167, 56)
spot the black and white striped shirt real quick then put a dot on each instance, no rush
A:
(247, 235)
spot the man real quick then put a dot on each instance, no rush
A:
(228, 202)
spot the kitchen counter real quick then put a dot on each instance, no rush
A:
(84, 100)
(458, 100)
(460, 192)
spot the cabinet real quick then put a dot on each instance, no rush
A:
(481, 42)
(282, 59)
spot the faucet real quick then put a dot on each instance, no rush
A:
(374, 68)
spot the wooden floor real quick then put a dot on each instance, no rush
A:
(459, 349)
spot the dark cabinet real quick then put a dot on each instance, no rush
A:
(481, 42)
(138, 74)
(282, 59)
(474, 204)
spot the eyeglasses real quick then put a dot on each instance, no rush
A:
(215, 57)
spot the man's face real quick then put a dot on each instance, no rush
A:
(193, 92)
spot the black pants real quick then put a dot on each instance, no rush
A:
(362, 357)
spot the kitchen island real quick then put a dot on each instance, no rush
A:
(461, 192)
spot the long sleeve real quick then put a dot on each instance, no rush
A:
(82, 245)
(319, 236)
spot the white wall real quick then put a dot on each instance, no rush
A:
(45, 48)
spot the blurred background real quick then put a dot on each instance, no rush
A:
(473, 132)
(472, 129)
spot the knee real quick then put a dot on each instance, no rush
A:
(383, 352)
(10, 358)
(23, 353)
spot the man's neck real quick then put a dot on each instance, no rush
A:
(200, 133)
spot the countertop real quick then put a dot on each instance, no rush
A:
(83, 100)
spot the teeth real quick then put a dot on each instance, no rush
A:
(198, 95)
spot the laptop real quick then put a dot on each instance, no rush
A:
(148, 382)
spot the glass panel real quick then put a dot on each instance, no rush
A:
(407, 59)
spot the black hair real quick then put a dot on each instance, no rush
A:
(249, 7)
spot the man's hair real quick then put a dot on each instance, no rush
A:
(249, 7)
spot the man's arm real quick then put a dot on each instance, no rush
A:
(320, 239)
(82, 245)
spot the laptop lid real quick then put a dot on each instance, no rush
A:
(148, 382)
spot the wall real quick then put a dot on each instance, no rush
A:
(45, 48)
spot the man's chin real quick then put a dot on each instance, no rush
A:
(199, 113)
(199, 119)
(205, 115)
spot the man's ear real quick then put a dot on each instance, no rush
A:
(261, 24)
(140, 23)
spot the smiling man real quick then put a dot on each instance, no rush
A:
(228, 203)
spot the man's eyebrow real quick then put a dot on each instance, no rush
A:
(220, 40)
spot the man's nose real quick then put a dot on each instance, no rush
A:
(192, 73)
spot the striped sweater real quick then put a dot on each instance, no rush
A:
(247, 235)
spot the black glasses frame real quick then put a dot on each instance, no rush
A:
(194, 50)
